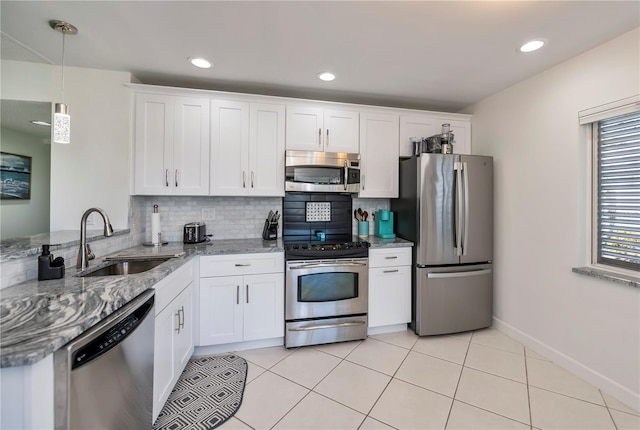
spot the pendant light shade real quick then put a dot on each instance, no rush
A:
(61, 118)
(61, 124)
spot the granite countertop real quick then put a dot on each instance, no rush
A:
(39, 317)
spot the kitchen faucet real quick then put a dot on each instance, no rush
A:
(85, 254)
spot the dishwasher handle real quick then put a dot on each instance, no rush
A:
(113, 330)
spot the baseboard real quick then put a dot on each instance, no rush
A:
(386, 329)
(595, 378)
(238, 346)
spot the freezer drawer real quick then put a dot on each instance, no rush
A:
(453, 299)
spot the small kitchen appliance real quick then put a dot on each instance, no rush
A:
(322, 172)
(195, 232)
(383, 225)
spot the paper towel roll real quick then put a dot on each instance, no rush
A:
(155, 228)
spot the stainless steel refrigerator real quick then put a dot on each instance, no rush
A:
(446, 208)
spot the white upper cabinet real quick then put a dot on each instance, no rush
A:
(171, 145)
(318, 129)
(425, 126)
(229, 147)
(266, 149)
(247, 149)
(379, 155)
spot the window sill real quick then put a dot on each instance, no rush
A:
(618, 278)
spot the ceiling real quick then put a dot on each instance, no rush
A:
(439, 55)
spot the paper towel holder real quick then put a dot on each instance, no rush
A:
(160, 242)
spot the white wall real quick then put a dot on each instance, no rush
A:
(531, 129)
(94, 169)
(27, 217)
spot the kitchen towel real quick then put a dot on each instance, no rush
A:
(208, 393)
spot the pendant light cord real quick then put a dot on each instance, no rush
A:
(63, 35)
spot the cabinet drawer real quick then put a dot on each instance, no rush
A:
(385, 257)
(241, 264)
(169, 288)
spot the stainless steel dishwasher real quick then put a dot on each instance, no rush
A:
(104, 378)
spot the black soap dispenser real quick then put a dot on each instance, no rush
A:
(48, 267)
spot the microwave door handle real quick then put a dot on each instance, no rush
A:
(346, 174)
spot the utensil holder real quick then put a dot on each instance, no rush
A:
(363, 229)
(270, 230)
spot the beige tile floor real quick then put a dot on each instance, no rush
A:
(475, 380)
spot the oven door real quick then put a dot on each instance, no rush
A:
(325, 179)
(326, 288)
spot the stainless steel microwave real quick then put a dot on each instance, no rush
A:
(322, 172)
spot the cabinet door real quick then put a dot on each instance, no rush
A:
(263, 306)
(389, 295)
(191, 147)
(220, 310)
(304, 128)
(184, 332)
(415, 126)
(266, 150)
(341, 131)
(163, 361)
(153, 165)
(229, 148)
(379, 152)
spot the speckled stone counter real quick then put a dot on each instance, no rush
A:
(631, 281)
(38, 317)
(378, 242)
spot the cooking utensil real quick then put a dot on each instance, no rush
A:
(356, 215)
(365, 215)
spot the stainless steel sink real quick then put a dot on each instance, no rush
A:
(125, 268)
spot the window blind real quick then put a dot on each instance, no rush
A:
(618, 214)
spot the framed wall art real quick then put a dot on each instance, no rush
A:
(15, 176)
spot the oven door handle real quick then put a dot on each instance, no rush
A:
(325, 326)
(319, 265)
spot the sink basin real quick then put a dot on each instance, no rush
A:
(125, 268)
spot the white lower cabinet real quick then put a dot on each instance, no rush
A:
(244, 303)
(389, 286)
(173, 344)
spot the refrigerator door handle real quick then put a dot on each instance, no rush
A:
(459, 274)
(465, 235)
(457, 166)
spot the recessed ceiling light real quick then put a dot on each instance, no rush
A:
(42, 123)
(532, 45)
(326, 76)
(200, 62)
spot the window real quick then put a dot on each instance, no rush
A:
(617, 191)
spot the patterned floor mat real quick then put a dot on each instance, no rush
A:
(208, 393)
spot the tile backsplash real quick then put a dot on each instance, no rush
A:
(371, 206)
(235, 217)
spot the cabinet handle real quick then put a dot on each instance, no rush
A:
(244, 174)
(237, 294)
(390, 271)
(166, 177)
(176, 178)
(319, 137)
(177, 329)
(181, 311)
(252, 179)
(362, 181)
(247, 293)
(243, 265)
(327, 142)
(391, 257)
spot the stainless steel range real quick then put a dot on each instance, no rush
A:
(327, 271)
(326, 293)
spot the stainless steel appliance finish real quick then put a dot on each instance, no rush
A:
(195, 232)
(325, 172)
(446, 208)
(104, 378)
(326, 300)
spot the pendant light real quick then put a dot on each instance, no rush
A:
(61, 118)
